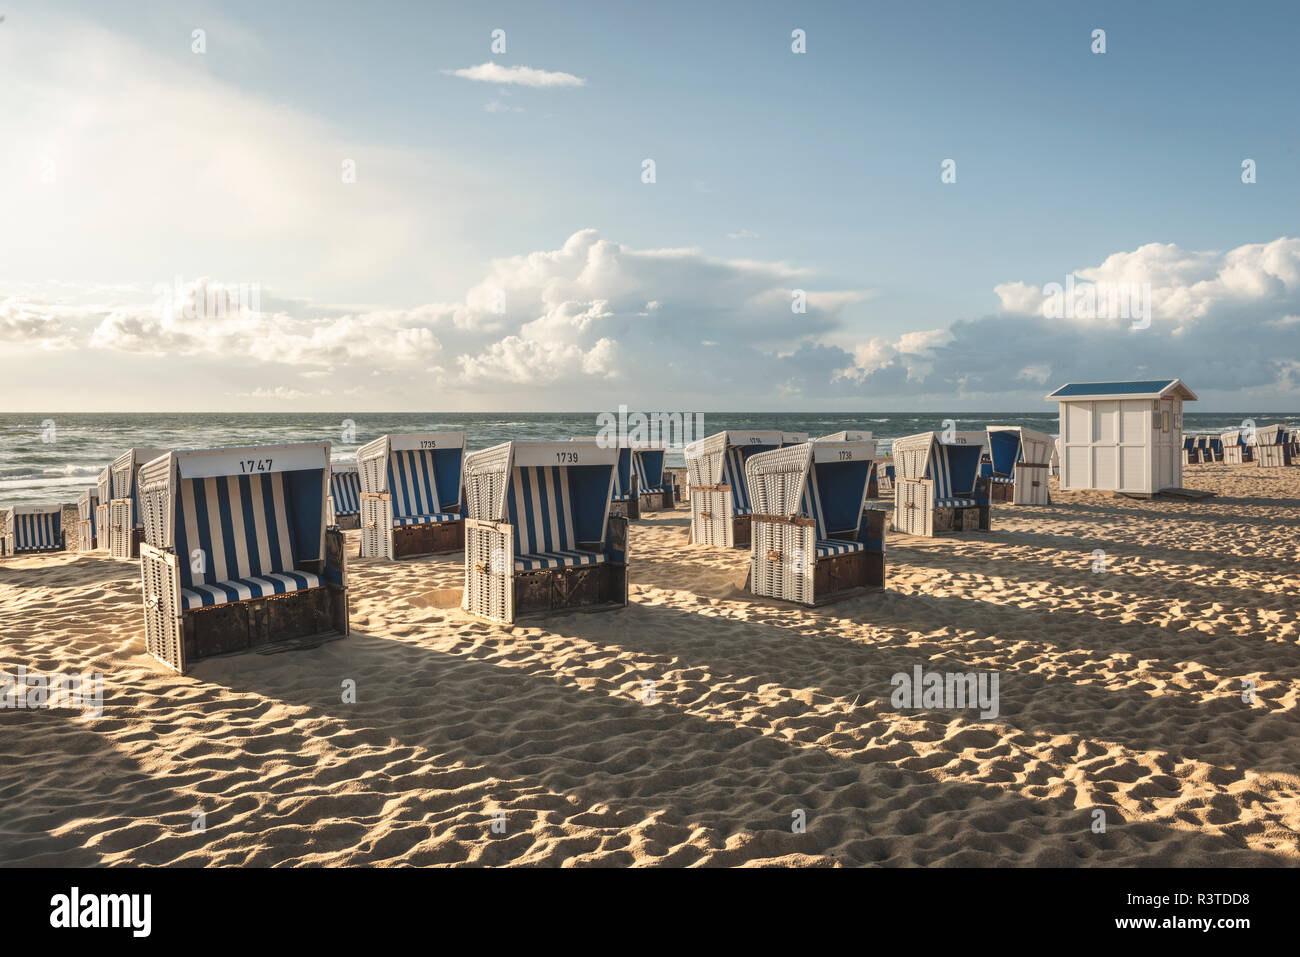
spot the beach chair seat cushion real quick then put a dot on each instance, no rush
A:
(216, 593)
(1002, 480)
(429, 519)
(829, 546)
(566, 558)
(954, 502)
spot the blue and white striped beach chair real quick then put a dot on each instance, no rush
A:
(126, 524)
(1271, 448)
(1017, 463)
(345, 496)
(653, 483)
(720, 504)
(237, 554)
(33, 528)
(411, 494)
(539, 536)
(812, 541)
(859, 435)
(1236, 447)
(939, 488)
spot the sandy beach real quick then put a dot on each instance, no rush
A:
(694, 726)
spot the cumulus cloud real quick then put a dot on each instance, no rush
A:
(517, 75)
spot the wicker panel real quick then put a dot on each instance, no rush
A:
(1272, 456)
(913, 506)
(85, 536)
(777, 479)
(155, 513)
(101, 526)
(1030, 485)
(372, 466)
(489, 570)
(376, 526)
(161, 582)
(782, 556)
(711, 514)
(121, 533)
(486, 475)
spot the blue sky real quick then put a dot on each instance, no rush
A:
(825, 162)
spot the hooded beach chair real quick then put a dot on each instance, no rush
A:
(1236, 449)
(104, 488)
(939, 486)
(87, 506)
(33, 528)
(1271, 449)
(237, 555)
(654, 483)
(859, 435)
(1190, 454)
(720, 506)
(345, 496)
(539, 536)
(811, 540)
(411, 494)
(1019, 461)
(126, 524)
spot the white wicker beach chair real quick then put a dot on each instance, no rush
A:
(345, 496)
(720, 506)
(939, 486)
(1271, 448)
(237, 553)
(87, 506)
(126, 524)
(1237, 448)
(411, 494)
(539, 536)
(33, 528)
(1018, 466)
(811, 539)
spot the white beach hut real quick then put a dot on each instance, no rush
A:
(1122, 436)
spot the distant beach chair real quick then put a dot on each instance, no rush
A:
(1271, 448)
(33, 528)
(1236, 449)
(1019, 461)
(539, 536)
(812, 539)
(411, 494)
(126, 524)
(345, 496)
(654, 483)
(720, 506)
(1190, 454)
(237, 554)
(859, 435)
(793, 438)
(939, 488)
(1056, 456)
(104, 489)
(87, 506)
(625, 497)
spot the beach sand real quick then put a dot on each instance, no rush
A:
(699, 725)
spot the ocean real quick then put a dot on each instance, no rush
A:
(45, 459)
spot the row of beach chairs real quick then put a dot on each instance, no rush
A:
(1270, 446)
(243, 548)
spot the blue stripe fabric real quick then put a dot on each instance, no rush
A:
(733, 474)
(829, 546)
(540, 508)
(232, 528)
(37, 533)
(345, 489)
(413, 483)
(425, 519)
(559, 559)
(954, 502)
(209, 595)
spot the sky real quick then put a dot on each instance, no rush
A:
(394, 207)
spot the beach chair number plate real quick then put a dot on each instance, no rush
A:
(428, 444)
(249, 466)
(566, 458)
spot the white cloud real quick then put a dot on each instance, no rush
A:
(518, 75)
